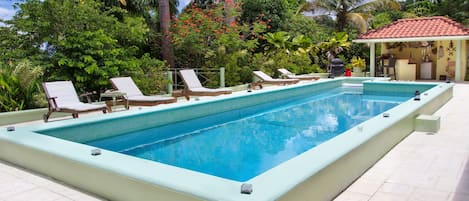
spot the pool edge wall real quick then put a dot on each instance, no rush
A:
(104, 184)
(337, 176)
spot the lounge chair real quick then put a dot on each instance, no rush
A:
(287, 74)
(62, 97)
(134, 96)
(193, 87)
(266, 79)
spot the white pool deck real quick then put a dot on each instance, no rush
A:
(424, 166)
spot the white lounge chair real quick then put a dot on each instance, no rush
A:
(62, 97)
(266, 79)
(287, 74)
(193, 87)
(134, 96)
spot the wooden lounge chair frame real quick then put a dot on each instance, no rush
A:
(266, 79)
(193, 87)
(287, 74)
(134, 96)
(66, 96)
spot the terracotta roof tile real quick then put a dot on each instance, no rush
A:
(418, 27)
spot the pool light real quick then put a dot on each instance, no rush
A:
(96, 152)
(360, 128)
(246, 188)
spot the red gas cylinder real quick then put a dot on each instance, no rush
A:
(348, 72)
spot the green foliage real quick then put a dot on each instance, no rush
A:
(285, 51)
(278, 40)
(455, 9)
(380, 20)
(79, 41)
(151, 77)
(358, 62)
(202, 40)
(293, 5)
(354, 12)
(89, 59)
(421, 8)
(336, 44)
(20, 86)
(301, 25)
(282, 41)
(299, 63)
(273, 12)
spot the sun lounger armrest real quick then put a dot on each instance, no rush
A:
(53, 104)
(88, 96)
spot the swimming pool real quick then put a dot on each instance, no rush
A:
(320, 172)
(246, 142)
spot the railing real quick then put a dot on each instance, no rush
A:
(175, 82)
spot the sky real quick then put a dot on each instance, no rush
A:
(7, 11)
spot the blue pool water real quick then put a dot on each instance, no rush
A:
(240, 145)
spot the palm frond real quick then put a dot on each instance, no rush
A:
(378, 5)
(304, 7)
(360, 20)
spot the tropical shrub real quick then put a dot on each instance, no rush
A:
(274, 12)
(358, 62)
(20, 86)
(335, 46)
(151, 76)
(301, 25)
(298, 63)
(202, 40)
(78, 41)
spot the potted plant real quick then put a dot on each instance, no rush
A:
(358, 64)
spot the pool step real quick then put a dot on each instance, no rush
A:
(427, 123)
(352, 84)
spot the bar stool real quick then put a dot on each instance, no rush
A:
(387, 67)
(390, 65)
(378, 66)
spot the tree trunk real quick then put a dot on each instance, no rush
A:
(341, 21)
(165, 25)
(229, 18)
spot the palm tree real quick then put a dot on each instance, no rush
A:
(165, 25)
(350, 11)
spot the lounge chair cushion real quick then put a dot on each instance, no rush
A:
(126, 85)
(291, 75)
(62, 97)
(265, 77)
(149, 98)
(285, 71)
(190, 78)
(81, 107)
(63, 92)
(134, 96)
(203, 89)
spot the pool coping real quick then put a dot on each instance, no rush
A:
(268, 186)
